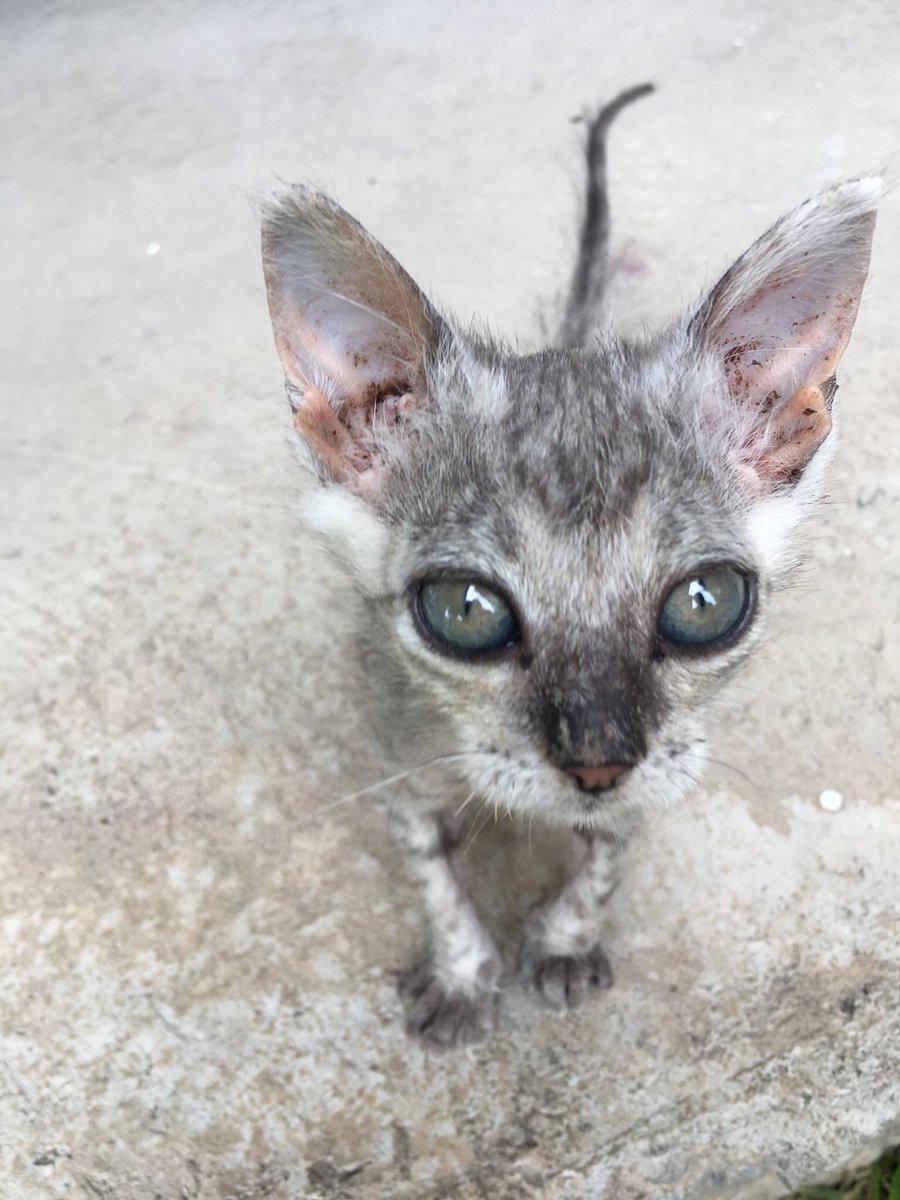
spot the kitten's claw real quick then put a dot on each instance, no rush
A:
(444, 1018)
(565, 979)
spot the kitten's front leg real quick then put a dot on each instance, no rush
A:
(452, 991)
(563, 957)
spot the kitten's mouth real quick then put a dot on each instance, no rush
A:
(591, 811)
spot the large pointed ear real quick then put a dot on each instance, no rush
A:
(778, 323)
(352, 329)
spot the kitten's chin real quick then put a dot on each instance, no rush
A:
(611, 811)
(607, 811)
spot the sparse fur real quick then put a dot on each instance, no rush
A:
(582, 482)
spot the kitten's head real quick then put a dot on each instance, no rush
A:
(564, 555)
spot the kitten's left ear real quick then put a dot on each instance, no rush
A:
(778, 323)
(353, 332)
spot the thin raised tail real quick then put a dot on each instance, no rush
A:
(591, 274)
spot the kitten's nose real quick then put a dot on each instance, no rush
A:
(599, 779)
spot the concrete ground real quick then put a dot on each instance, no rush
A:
(196, 997)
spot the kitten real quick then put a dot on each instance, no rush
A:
(563, 556)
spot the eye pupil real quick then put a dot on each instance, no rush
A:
(466, 616)
(705, 609)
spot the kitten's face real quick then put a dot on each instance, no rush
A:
(583, 503)
(563, 556)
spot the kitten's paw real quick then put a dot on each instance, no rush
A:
(565, 979)
(444, 1017)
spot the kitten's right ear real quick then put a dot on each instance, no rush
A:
(777, 324)
(353, 332)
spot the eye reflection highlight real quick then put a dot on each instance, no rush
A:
(699, 595)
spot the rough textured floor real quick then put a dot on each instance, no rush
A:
(196, 990)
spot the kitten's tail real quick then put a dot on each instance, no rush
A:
(591, 273)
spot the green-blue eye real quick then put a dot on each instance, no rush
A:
(466, 615)
(705, 607)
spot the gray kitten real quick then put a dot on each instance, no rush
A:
(563, 555)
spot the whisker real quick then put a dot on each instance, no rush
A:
(719, 762)
(310, 281)
(695, 779)
(704, 761)
(476, 829)
(468, 800)
(391, 779)
(384, 783)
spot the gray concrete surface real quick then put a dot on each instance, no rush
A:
(196, 994)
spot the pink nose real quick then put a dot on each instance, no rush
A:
(598, 779)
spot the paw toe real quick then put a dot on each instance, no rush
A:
(565, 979)
(444, 1018)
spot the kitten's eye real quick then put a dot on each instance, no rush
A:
(705, 607)
(466, 616)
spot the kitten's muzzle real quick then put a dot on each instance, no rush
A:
(598, 779)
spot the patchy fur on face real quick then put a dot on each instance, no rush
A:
(584, 493)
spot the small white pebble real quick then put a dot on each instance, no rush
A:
(737, 43)
(153, 248)
(831, 801)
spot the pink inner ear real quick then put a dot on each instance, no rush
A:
(355, 365)
(783, 340)
(349, 372)
(352, 330)
(779, 350)
(364, 394)
(792, 437)
(346, 439)
(778, 322)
